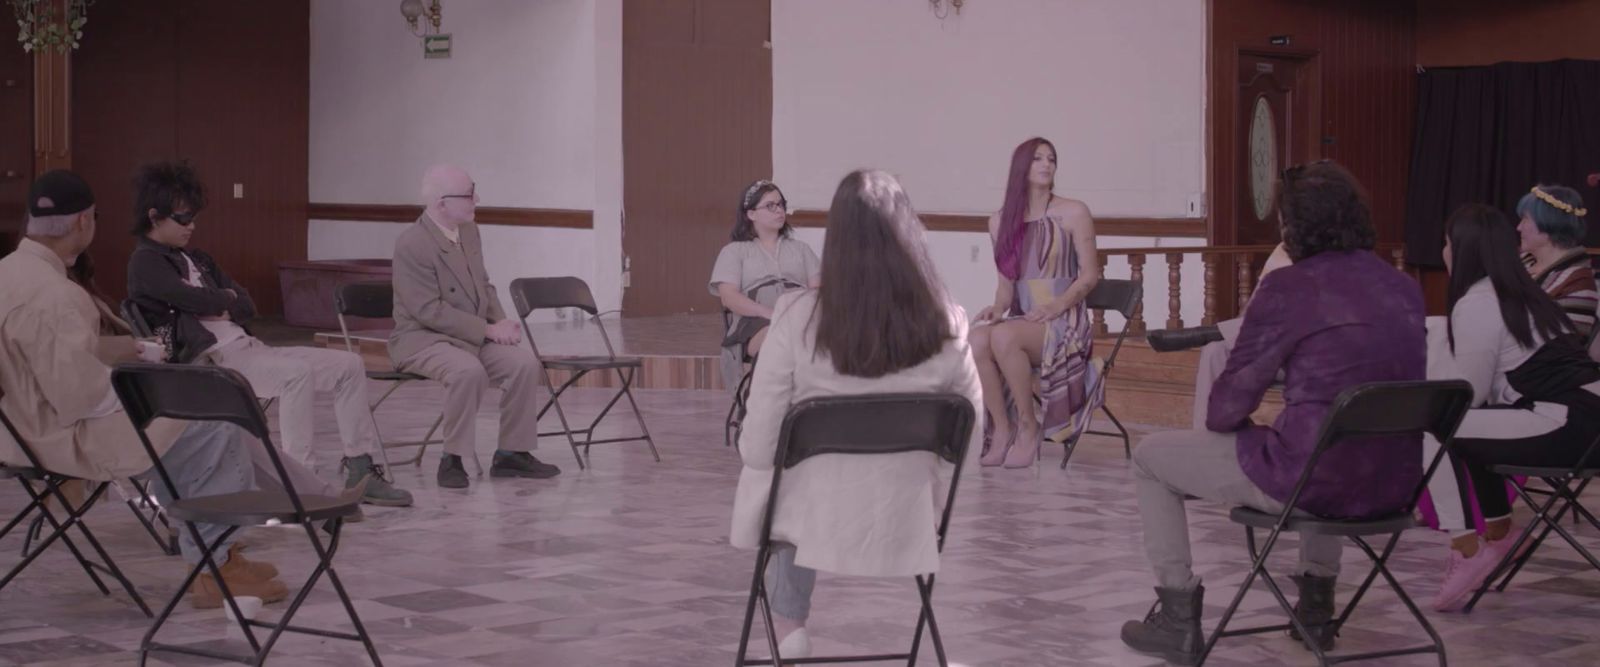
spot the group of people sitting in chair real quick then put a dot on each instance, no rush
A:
(59, 337)
(1328, 315)
(872, 316)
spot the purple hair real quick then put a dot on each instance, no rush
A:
(1008, 242)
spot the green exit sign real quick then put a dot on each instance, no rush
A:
(436, 46)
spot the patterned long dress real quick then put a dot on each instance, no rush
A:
(1068, 390)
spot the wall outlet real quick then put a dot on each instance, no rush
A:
(238, 191)
(1197, 205)
(974, 258)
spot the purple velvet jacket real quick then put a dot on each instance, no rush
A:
(1330, 322)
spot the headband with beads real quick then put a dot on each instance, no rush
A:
(754, 188)
(1557, 203)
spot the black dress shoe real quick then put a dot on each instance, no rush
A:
(520, 464)
(452, 475)
(1173, 340)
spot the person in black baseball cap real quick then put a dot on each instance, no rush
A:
(61, 214)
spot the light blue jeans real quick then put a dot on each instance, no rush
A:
(789, 586)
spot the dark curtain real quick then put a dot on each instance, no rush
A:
(1488, 134)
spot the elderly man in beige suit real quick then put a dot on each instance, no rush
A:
(57, 390)
(449, 326)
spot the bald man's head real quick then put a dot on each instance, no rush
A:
(449, 194)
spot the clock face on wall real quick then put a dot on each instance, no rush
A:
(1263, 158)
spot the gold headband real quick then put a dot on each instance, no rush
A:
(1557, 203)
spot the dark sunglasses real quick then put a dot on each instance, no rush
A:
(185, 219)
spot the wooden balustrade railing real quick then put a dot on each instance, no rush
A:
(1242, 258)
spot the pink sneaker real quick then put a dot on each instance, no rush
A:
(1463, 576)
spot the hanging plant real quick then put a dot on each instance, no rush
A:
(38, 27)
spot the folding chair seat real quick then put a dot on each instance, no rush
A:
(1380, 408)
(1122, 297)
(532, 294)
(213, 393)
(1566, 491)
(862, 425)
(33, 476)
(375, 300)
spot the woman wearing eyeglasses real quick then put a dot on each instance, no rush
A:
(762, 262)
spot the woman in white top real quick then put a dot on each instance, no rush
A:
(762, 262)
(1536, 394)
(881, 322)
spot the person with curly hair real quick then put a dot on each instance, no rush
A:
(1337, 317)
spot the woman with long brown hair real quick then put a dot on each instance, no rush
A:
(881, 322)
(1044, 251)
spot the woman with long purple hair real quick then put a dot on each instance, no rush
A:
(1044, 251)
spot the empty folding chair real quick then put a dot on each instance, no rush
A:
(863, 424)
(1122, 297)
(531, 294)
(1379, 408)
(375, 300)
(40, 500)
(211, 393)
(1566, 489)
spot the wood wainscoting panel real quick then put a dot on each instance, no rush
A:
(487, 215)
(957, 222)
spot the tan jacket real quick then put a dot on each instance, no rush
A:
(53, 381)
(441, 291)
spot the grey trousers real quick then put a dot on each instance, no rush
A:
(1171, 465)
(294, 375)
(466, 376)
(212, 458)
(789, 586)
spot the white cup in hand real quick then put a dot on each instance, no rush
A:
(150, 351)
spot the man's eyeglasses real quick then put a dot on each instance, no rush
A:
(185, 219)
(779, 206)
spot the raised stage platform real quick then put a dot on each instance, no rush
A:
(680, 352)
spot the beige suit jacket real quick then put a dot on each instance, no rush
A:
(54, 385)
(441, 291)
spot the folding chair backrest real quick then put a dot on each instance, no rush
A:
(373, 300)
(135, 318)
(530, 294)
(1116, 295)
(194, 393)
(1435, 407)
(876, 424)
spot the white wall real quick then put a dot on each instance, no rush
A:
(529, 102)
(1116, 85)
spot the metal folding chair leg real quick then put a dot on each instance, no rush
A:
(60, 530)
(1562, 492)
(260, 649)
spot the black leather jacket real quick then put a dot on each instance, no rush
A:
(172, 307)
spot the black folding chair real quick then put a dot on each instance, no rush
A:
(1123, 297)
(39, 501)
(531, 294)
(1379, 408)
(735, 421)
(136, 321)
(212, 393)
(1566, 487)
(376, 300)
(864, 424)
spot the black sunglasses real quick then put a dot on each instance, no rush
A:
(185, 219)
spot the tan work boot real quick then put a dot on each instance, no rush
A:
(206, 594)
(253, 569)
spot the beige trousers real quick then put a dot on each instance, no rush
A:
(294, 375)
(466, 376)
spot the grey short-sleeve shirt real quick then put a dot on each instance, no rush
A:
(746, 265)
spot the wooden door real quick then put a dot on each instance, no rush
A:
(16, 138)
(696, 128)
(1273, 118)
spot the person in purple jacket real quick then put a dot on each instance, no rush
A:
(1338, 317)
